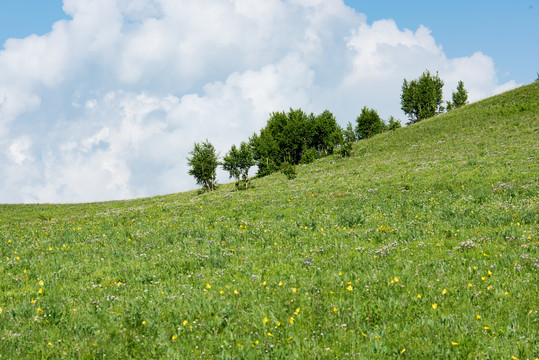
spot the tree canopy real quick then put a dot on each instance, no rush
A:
(422, 98)
(368, 124)
(237, 162)
(203, 162)
(294, 137)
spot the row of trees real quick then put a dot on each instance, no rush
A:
(291, 138)
(288, 139)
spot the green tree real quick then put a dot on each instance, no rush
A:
(265, 152)
(237, 163)
(325, 133)
(294, 137)
(460, 97)
(393, 124)
(349, 134)
(203, 162)
(289, 170)
(368, 124)
(231, 163)
(422, 98)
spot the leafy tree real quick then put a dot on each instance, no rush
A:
(368, 124)
(231, 163)
(461, 96)
(349, 134)
(309, 155)
(393, 124)
(203, 162)
(289, 170)
(294, 137)
(422, 98)
(326, 134)
(265, 152)
(237, 163)
(345, 150)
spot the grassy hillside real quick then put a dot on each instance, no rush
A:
(423, 244)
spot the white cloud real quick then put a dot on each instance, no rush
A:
(18, 151)
(109, 103)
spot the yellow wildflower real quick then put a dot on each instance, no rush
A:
(349, 288)
(266, 320)
(434, 306)
(419, 296)
(444, 291)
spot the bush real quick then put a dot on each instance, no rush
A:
(289, 170)
(345, 150)
(368, 124)
(203, 162)
(309, 155)
(422, 98)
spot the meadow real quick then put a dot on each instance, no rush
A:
(423, 244)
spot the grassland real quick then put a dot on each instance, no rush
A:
(423, 245)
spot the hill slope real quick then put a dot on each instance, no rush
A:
(423, 244)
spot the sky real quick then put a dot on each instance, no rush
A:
(104, 99)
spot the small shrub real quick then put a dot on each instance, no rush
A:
(309, 155)
(345, 150)
(289, 170)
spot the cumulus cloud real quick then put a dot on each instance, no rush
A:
(109, 103)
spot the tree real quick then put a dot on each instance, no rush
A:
(349, 134)
(238, 162)
(393, 124)
(231, 163)
(422, 98)
(368, 124)
(294, 137)
(326, 134)
(203, 162)
(460, 97)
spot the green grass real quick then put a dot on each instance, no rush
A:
(423, 245)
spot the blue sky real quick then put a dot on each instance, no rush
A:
(108, 103)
